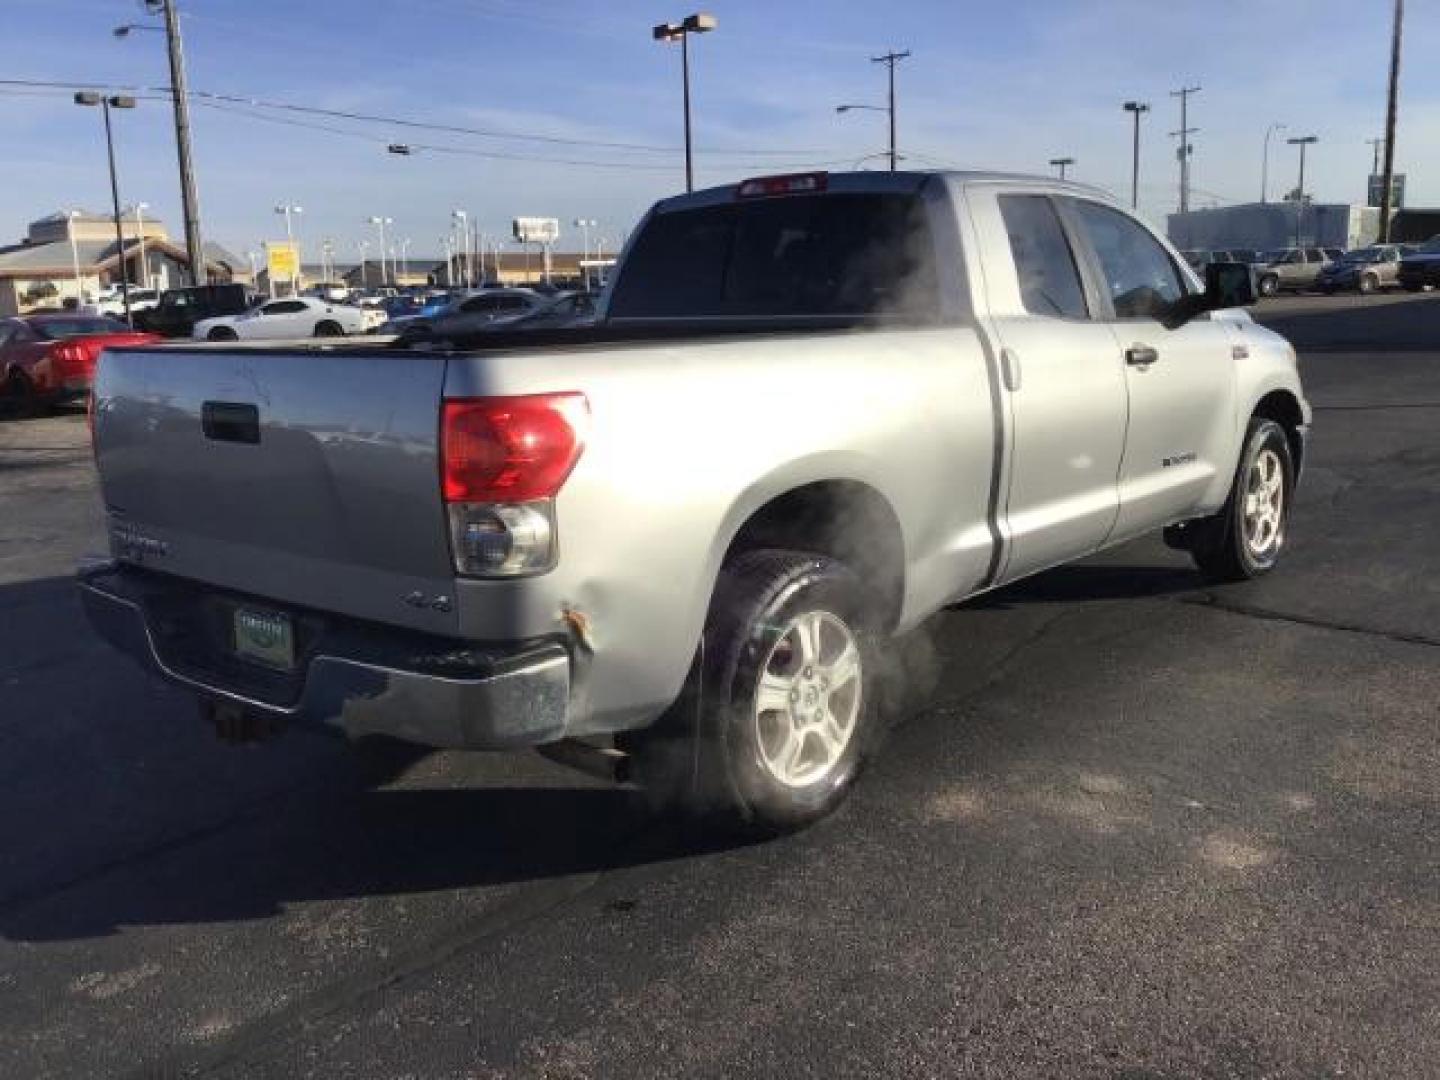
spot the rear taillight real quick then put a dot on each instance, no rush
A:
(70, 359)
(502, 461)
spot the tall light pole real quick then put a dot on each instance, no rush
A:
(404, 260)
(363, 246)
(460, 217)
(380, 223)
(115, 101)
(1392, 104)
(1186, 150)
(254, 258)
(585, 225)
(70, 216)
(189, 200)
(327, 259)
(1302, 142)
(699, 23)
(140, 209)
(1137, 108)
(1062, 163)
(289, 211)
(1265, 162)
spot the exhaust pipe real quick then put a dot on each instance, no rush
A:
(602, 762)
(237, 725)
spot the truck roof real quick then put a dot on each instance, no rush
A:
(879, 182)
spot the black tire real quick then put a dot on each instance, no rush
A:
(222, 333)
(1269, 285)
(707, 755)
(19, 397)
(1368, 284)
(329, 328)
(1221, 545)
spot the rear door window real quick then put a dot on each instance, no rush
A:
(842, 255)
(1044, 264)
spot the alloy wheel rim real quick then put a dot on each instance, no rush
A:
(1265, 504)
(807, 699)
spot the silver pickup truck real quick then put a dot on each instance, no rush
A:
(815, 410)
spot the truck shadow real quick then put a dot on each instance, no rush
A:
(301, 820)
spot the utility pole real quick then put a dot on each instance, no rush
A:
(189, 200)
(1185, 148)
(890, 59)
(1137, 108)
(1388, 180)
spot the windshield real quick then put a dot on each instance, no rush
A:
(1430, 247)
(57, 329)
(1363, 255)
(837, 255)
(1274, 255)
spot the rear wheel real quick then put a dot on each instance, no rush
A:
(781, 709)
(222, 333)
(1269, 285)
(1245, 539)
(19, 394)
(1368, 284)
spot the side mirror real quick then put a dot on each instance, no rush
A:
(1229, 285)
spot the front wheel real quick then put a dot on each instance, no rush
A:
(1269, 285)
(785, 708)
(1368, 284)
(329, 328)
(1245, 539)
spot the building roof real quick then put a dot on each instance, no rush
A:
(55, 259)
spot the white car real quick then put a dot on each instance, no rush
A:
(114, 304)
(292, 317)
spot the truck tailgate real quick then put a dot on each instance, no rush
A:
(310, 477)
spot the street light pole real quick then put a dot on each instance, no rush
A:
(404, 261)
(459, 217)
(363, 246)
(90, 98)
(140, 209)
(1136, 108)
(699, 23)
(1063, 163)
(1265, 163)
(70, 216)
(1391, 106)
(380, 223)
(1303, 142)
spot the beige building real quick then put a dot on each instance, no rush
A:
(68, 257)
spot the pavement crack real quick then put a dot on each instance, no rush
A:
(1268, 615)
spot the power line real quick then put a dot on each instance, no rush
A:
(419, 125)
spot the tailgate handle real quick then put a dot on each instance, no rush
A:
(230, 421)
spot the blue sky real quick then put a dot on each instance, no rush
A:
(989, 86)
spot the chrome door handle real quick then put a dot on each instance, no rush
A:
(1141, 356)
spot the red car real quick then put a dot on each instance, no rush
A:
(50, 358)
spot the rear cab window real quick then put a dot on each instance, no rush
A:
(847, 256)
(1045, 266)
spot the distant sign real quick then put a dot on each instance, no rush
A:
(1397, 191)
(537, 230)
(282, 261)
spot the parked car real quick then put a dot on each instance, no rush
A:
(473, 313)
(49, 359)
(1421, 268)
(1199, 259)
(565, 311)
(180, 309)
(292, 317)
(682, 535)
(336, 292)
(113, 304)
(1364, 270)
(1290, 269)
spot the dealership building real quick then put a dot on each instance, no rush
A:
(1263, 226)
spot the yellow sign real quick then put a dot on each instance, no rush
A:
(283, 261)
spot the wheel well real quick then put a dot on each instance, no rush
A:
(1281, 406)
(844, 519)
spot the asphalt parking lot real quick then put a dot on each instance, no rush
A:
(1147, 828)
